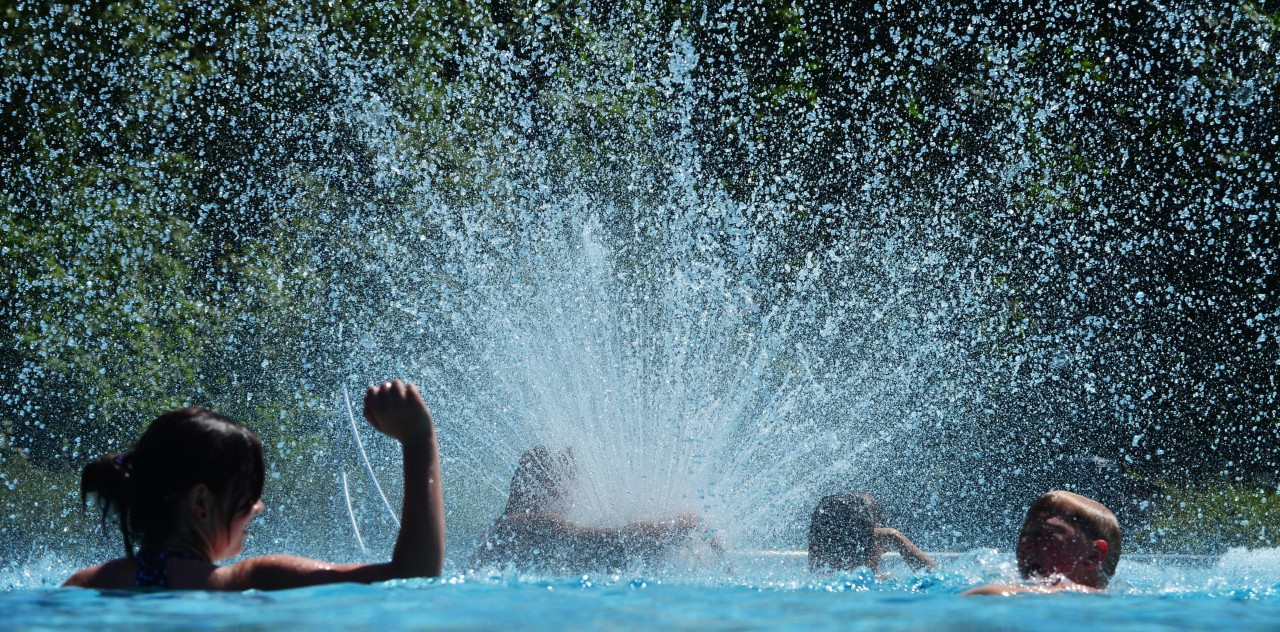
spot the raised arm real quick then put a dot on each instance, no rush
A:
(911, 554)
(397, 410)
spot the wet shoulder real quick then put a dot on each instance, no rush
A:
(116, 574)
(1030, 589)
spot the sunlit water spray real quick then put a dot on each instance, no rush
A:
(716, 372)
(677, 340)
(721, 375)
(732, 269)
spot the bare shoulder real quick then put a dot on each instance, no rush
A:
(1032, 589)
(83, 578)
(116, 574)
(261, 572)
(1003, 590)
(278, 572)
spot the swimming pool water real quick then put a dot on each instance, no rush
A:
(1237, 592)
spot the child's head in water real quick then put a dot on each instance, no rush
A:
(540, 479)
(1072, 536)
(842, 532)
(191, 483)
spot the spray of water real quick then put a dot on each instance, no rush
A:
(735, 256)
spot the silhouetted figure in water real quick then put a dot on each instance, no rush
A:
(533, 533)
(846, 531)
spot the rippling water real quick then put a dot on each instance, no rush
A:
(1237, 592)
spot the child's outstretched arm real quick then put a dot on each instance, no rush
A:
(397, 410)
(663, 531)
(637, 535)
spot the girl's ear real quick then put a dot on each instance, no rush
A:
(200, 501)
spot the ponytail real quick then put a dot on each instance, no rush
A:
(107, 479)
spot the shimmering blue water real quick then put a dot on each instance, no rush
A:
(1238, 591)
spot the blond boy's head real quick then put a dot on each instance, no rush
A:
(1069, 535)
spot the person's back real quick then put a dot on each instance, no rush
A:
(1067, 542)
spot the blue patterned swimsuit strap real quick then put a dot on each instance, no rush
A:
(153, 570)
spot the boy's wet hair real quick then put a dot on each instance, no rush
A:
(842, 531)
(540, 474)
(1096, 522)
(145, 487)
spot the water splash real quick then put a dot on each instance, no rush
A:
(373, 476)
(736, 258)
(355, 525)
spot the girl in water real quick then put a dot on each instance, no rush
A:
(186, 492)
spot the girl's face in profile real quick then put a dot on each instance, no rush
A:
(229, 539)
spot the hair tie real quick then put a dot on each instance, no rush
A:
(120, 460)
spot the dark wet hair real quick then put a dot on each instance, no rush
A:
(182, 448)
(842, 531)
(539, 475)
